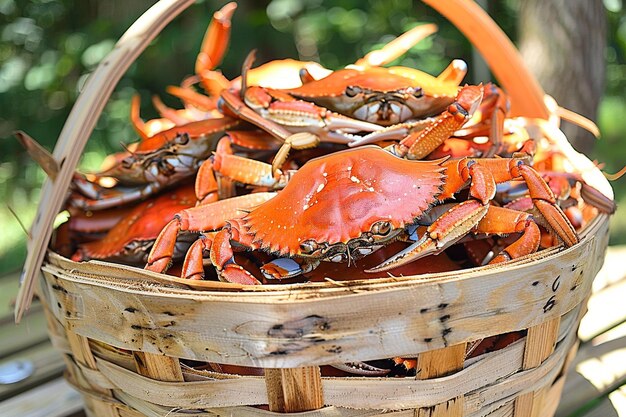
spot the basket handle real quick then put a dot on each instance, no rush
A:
(503, 58)
(527, 96)
(77, 130)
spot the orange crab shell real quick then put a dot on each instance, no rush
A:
(336, 198)
(330, 91)
(143, 223)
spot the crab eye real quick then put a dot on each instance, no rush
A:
(418, 92)
(381, 228)
(340, 257)
(308, 246)
(182, 139)
(352, 91)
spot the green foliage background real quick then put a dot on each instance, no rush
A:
(48, 48)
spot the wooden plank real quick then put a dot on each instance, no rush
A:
(611, 405)
(438, 363)
(599, 368)
(294, 390)
(606, 309)
(53, 399)
(163, 368)
(540, 343)
(613, 270)
(9, 284)
(47, 363)
(16, 338)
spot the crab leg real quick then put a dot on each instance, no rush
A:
(454, 73)
(198, 219)
(192, 98)
(215, 41)
(135, 118)
(302, 116)
(489, 120)
(221, 255)
(466, 216)
(421, 141)
(396, 47)
(501, 221)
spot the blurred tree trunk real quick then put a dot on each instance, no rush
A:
(563, 42)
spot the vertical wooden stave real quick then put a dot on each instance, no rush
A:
(294, 390)
(438, 363)
(540, 343)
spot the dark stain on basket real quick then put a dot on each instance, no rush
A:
(138, 327)
(297, 335)
(297, 329)
(334, 349)
(57, 287)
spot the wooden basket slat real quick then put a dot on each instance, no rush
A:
(267, 330)
(477, 384)
(540, 343)
(438, 363)
(477, 403)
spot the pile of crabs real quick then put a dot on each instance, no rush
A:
(292, 173)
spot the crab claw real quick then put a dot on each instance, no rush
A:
(424, 136)
(361, 368)
(544, 200)
(282, 268)
(444, 232)
(237, 274)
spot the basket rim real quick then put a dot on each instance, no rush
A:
(94, 268)
(314, 326)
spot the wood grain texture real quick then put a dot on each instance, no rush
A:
(438, 363)
(540, 342)
(294, 390)
(163, 368)
(52, 399)
(280, 327)
(487, 383)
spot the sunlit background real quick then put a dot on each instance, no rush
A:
(48, 47)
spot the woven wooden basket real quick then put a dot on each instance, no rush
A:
(130, 337)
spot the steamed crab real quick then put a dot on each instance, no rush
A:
(350, 203)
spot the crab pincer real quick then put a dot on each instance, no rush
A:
(348, 204)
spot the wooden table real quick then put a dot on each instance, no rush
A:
(595, 385)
